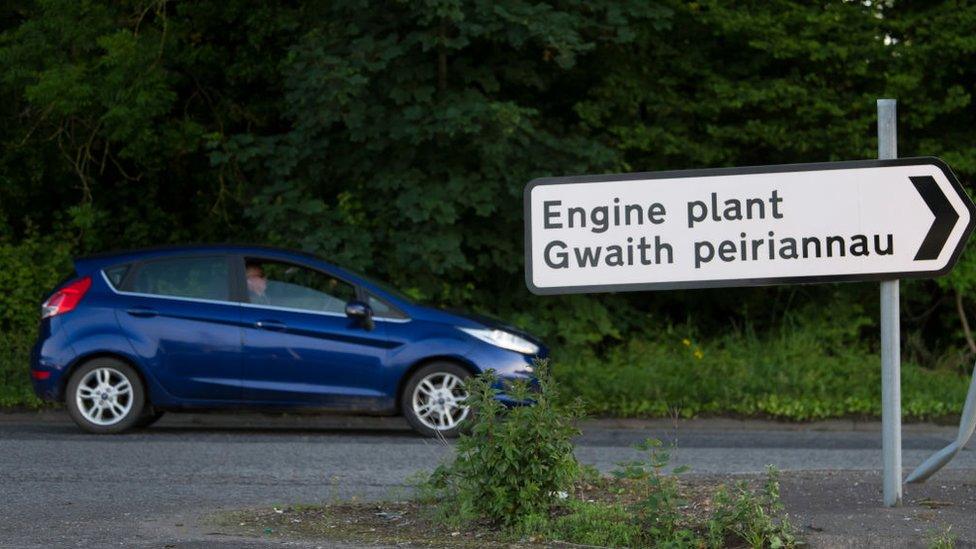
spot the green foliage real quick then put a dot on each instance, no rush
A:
(802, 371)
(430, 124)
(398, 140)
(756, 519)
(514, 462)
(515, 469)
(30, 267)
(594, 524)
(773, 82)
(943, 538)
(660, 505)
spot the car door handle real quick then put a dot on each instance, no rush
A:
(142, 311)
(272, 325)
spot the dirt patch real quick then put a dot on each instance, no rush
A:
(412, 524)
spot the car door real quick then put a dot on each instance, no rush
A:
(181, 319)
(299, 346)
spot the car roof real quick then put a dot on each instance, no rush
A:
(89, 263)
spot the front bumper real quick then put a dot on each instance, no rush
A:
(508, 366)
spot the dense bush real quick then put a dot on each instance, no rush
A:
(30, 268)
(398, 140)
(513, 462)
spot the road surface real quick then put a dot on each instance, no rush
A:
(61, 487)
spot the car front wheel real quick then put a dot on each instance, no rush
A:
(105, 396)
(434, 399)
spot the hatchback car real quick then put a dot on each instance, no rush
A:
(132, 335)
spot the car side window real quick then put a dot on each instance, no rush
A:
(281, 284)
(382, 309)
(193, 277)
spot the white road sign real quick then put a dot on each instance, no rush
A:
(862, 220)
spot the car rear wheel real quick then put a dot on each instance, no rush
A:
(433, 400)
(105, 396)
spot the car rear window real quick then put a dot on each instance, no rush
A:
(116, 274)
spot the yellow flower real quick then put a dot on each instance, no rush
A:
(686, 342)
(699, 354)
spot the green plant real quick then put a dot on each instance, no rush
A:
(756, 519)
(943, 538)
(594, 524)
(514, 462)
(661, 500)
(30, 268)
(800, 371)
(515, 468)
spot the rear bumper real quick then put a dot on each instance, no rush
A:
(50, 358)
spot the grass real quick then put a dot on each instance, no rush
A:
(942, 538)
(794, 375)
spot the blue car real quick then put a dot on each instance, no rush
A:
(132, 335)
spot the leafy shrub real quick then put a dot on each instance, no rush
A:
(660, 495)
(514, 462)
(30, 268)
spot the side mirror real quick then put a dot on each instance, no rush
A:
(359, 311)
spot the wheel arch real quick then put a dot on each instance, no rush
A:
(454, 359)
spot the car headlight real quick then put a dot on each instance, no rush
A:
(503, 339)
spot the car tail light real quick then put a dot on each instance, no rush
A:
(40, 375)
(66, 298)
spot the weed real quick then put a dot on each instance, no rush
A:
(593, 523)
(756, 519)
(942, 539)
(514, 461)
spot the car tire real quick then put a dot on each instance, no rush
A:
(431, 399)
(105, 396)
(148, 417)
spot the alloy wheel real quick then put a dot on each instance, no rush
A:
(438, 401)
(104, 396)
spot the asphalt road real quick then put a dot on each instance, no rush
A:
(62, 488)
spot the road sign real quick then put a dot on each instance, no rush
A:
(799, 223)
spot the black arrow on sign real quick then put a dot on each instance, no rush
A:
(945, 217)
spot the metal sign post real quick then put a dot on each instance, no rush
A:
(890, 336)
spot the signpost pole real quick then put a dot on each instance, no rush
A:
(890, 336)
